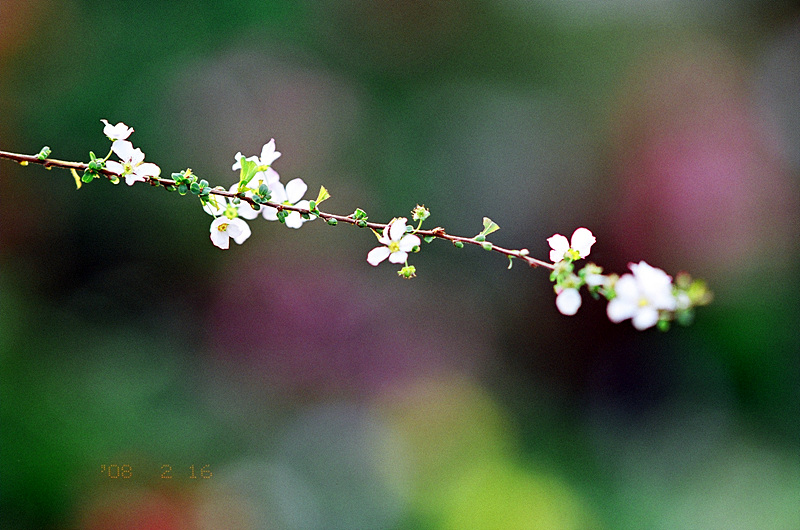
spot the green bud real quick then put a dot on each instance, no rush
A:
(44, 153)
(332, 221)
(458, 244)
(420, 213)
(407, 272)
(480, 238)
(361, 223)
(428, 239)
(487, 246)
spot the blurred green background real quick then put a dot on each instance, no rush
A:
(150, 380)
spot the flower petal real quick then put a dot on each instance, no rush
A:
(137, 157)
(582, 241)
(560, 246)
(295, 189)
(398, 257)
(269, 154)
(238, 164)
(568, 301)
(645, 317)
(378, 254)
(269, 213)
(239, 230)
(147, 169)
(133, 177)
(268, 177)
(278, 192)
(123, 149)
(408, 242)
(620, 309)
(294, 220)
(627, 288)
(397, 228)
(116, 167)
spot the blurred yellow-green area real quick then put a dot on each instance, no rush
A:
(149, 380)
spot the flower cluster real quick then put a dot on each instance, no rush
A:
(261, 184)
(647, 295)
(131, 164)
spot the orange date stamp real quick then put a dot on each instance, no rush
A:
(166, 472)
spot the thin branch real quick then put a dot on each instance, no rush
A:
(437, 232)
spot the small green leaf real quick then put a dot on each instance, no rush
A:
(246, 174)
(458, 244)
(428, 239)
(480, 238)
(487, 246)
(323, 195)
(360, 215)
(489, 226)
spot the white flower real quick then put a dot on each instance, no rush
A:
(641, 295)
(396, 243)
(568, 301)
(132, 165)
(581, 242)
(268, 156)
(289, 195)
(120, 131)
(223, 229)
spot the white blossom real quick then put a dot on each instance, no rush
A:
(641, 295)
(120, 131)
(131, 165)
(290, 195)
(395, 244)
(581, 242)
(224, 229)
